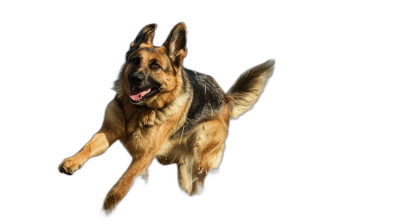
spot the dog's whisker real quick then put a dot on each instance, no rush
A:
(183, 128)
(219, 144)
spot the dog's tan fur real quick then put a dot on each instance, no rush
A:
(156, 126)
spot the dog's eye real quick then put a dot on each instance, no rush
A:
(155, 66)
(135, 61)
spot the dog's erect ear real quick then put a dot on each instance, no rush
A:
(176, 43)
(145, 36)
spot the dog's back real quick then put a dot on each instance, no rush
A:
(207, 98)
(207, 95)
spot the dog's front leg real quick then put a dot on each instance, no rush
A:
(113, 129)
(144, 144)
(96, 146)
(138, 166)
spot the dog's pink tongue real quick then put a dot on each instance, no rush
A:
(137, 94)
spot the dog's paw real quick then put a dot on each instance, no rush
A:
(69, 166)
(113, 197)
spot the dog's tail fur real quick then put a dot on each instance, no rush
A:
(248, 88)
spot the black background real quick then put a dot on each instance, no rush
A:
(271, 168)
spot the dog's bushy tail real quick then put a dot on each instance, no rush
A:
(248, 88)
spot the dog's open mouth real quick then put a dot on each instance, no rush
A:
(138, 95)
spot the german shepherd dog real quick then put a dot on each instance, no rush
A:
(164, 110)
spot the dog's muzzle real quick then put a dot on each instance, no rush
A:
(136, 79)
(141, 87)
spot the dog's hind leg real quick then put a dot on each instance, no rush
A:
(209, 158)
(208, 144)
(184, 180)
(187, 174)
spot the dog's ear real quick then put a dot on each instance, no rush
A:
(176, 44)
(145, 36)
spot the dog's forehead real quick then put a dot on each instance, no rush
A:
(152, 53)
(145, 51)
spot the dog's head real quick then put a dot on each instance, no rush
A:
(152, 75)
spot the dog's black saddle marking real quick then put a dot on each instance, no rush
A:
(207, 99)
(207, 95)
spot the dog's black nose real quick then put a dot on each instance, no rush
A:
(135, 78)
